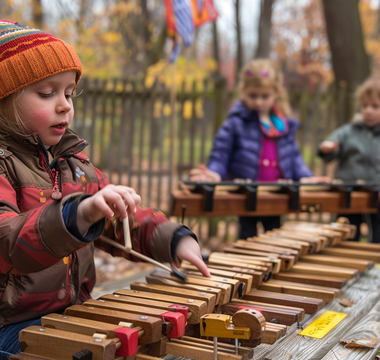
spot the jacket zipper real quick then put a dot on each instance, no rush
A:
(49, 167)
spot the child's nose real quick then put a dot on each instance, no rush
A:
(64, 104)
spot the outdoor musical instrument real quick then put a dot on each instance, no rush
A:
(269, 199)
(235, 287)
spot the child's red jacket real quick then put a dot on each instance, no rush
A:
(43, 267)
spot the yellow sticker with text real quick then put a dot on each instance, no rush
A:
(323, 325)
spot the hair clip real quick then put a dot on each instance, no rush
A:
(264, 73)
(249, 73)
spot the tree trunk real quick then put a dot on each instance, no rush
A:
(157, 49)
(215, 44)
(265, 26)
(239, 45)
(37, 13)
(349, 58)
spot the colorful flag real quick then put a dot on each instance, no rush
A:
(183, 16)
(203, 11)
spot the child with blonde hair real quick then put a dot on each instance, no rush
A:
(53, 202)
(356, 146)
(257, 141)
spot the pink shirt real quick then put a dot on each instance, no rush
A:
(268, 164)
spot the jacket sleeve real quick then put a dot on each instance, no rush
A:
(222, 148)
(338, 135)
(151, 232)
(34, 240)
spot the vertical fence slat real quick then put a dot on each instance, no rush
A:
(122, 133)
(131, 132)
(103, 125)
(141, 137)
(152, 140)
(162, 127)
(192, 123)
(203, 124)
(94, 93)
(112, 143)
(181, 131)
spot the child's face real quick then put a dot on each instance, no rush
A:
(370, 109)
(260, 99)
(46, 107)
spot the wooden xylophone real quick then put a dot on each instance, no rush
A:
(270, 199)
(266, 284)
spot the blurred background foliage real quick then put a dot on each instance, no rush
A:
(124, 38)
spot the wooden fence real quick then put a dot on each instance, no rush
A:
(137, 140)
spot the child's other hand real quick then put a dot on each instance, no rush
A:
(328, 146)
(204, 174)
(315, 180)
(188, 249)
(109, 202)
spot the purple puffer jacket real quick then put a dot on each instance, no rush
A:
(237, 145)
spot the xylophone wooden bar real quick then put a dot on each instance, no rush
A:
(320, 280)
(243, 278)
(209, 298)
(152, 326)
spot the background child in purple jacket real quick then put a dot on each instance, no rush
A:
(257, 141)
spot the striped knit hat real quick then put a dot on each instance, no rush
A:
(29, 55)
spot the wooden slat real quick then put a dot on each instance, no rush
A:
(244, 278)
(320, 280)
(210, 298)
(257, 276)
(286, 262)
(153, 280)
(311, 305)
(268, 204)
(231, 286)
(354, 253)
(317, 269)
(271, 238)
(286, 287)
(360, 265)
(286, 315)
(196, 307)
(61, 345)
(152, 326)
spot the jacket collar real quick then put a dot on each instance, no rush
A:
(360, 124)
(69, 145)
(243, 112)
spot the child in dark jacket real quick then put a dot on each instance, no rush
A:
(53, 202)
(356, 146)
(257, 141)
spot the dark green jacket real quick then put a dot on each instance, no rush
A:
(358, 153)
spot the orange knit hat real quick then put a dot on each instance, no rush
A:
(29, 55)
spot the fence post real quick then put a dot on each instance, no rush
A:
(220, 89)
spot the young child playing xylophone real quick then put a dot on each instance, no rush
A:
(53, 202)
(257, 141)
(356, 146)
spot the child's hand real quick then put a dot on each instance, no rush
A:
(109, 202)
(204, 174)
(315, 180)
(188, 249)
(328, 146)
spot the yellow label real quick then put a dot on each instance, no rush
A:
(323, 325)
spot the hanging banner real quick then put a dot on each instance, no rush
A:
(183, 16)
